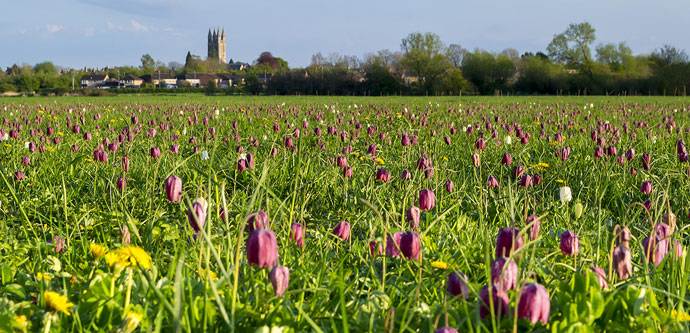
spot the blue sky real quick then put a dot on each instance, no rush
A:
(98, 33)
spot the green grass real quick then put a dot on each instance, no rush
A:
(334, 285)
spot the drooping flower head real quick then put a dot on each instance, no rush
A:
(280, 278)
(570, 243)
(457, 285)
(426, 199)
(197, 214)
(342, 230)
(410, 245)
(173, 188)
(499, 299)
(262, 248)
(534, 304)
(507, 241)
(504, 273)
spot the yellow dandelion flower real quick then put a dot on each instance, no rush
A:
(439, 265)
(177, 132)
(88, 160)
(98, 250)
(57, 302)
(7, 145)
(212, 274)
(361, 158)
(112, 120)
(43, 276)
(20, 321)
(356, 154)
(543, 165)
(40, 111)
(681, 317)
(560, 181)
(444, 158)
(131, 321)
(122, 119)
(537, 123)
(112, 258)
(379, 160)
(60, 133)
(555, 143)
(129, 256)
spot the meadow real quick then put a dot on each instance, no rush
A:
(334, 214)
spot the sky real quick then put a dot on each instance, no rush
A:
(99, 33)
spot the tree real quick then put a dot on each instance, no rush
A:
(211, 88)
(46, 67)
(390, 60)
(668, 55)
(147, 63)
(423, 55)
(188, 60)
(455, 54)
(27, 82)
(351, 61)
(488, 72)
(536, 75)
(572, 47)
(268, 59)
(318, 60)
(617, 58)
(160, 66)
(512, 54)
(252, 84)
(175, 66)
(378, 78)
(282, 63)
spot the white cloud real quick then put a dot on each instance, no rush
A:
(136, 26)
(53, 28)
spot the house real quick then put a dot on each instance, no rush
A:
(111, 83)
(408, 78)
(224, 80)
(237, 80)
(93, 80)
(196, 79)
(204, 79)
(131, 81)
(189, 79)
(160, 79)
(238, 66)
(357, 76)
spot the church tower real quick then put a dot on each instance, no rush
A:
(221, 47)
(216, 45)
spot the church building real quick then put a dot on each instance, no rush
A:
(216, 45)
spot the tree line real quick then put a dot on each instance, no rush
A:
(571, 64)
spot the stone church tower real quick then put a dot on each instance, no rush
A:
(216, 45)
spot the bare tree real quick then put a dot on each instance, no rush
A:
(175, 66)
(511, 53)
(455, 54)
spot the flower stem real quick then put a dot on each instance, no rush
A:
(130, 274)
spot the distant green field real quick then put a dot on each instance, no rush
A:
(200, 98)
